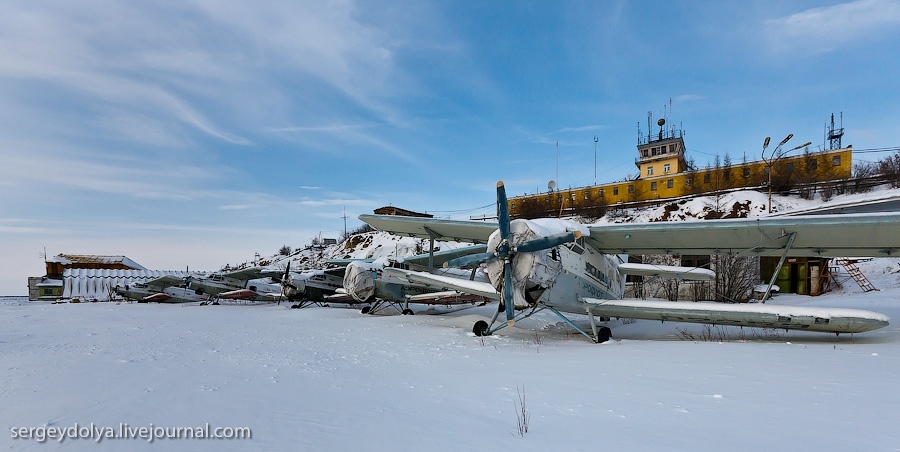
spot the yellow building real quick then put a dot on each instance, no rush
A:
(664, 173)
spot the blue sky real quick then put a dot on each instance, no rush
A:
(197, 133)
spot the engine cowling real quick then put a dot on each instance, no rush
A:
(530, 271)
(359, 281)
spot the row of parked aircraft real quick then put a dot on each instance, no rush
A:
(349, 281)
(569, 268)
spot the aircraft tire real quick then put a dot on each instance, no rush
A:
(480, 328)
(603, 334)
(408, 312)
(365, 310)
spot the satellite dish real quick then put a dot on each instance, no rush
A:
(551, 185)
(629, 177)
(661, 122)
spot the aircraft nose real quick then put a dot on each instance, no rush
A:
(359, 283)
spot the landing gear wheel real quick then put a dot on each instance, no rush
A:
(603, 334)
(408, 312)
(481, 328)
(365, 310)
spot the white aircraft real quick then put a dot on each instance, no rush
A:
(311, 287)
(231, 285)
(367, 282)
(564, 266)
(166, 289)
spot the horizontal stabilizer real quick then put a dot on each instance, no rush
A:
(668, 271)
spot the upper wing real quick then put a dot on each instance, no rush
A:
(830, 320)
(440, 257)
(852, 235)
(668, 271)
(447, 230)
(445, 282)
(245, 274)
(421, 260)
(165, 281)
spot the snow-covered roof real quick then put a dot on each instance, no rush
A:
(76, 259)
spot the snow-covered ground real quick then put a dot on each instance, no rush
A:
(333, 379)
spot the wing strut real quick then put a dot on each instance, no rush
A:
(778, 267)
(431, 236)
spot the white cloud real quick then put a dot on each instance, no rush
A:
(825, 29)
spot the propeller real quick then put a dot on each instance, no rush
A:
(506, 252)
(286, 281)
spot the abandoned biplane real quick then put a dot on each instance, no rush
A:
(567, 267)
(367, 282)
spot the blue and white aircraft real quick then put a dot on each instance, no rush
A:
(567, 267)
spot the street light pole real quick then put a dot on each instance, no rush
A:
(595, 158)
(774, 157)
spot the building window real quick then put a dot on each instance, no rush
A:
(812, 164)
(746, 173)
(631, 189)
(706, 178)
(587, 194)
(671, 149)
(688, 181)
(615, 191)
(649, 170)
(726, 175)
(836, 161)
(512, 205)
(667, 168)
(572, 196)
(652, 186)
(644, 153)
(600, 193)
(789, 167)
(670, 183)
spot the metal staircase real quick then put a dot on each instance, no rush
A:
(855, 274)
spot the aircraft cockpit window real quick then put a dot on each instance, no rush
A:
(577, 246)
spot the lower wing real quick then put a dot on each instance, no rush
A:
(238, 294)
(157, 298)
(445, 282)
(829, 320)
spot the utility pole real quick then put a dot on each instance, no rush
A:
(595, 158)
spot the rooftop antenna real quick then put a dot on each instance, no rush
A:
(649, 128)
(834, 135)
(595, 158)
(345, 221)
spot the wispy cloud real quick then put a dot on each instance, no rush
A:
(581, 129)
(824, 29)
